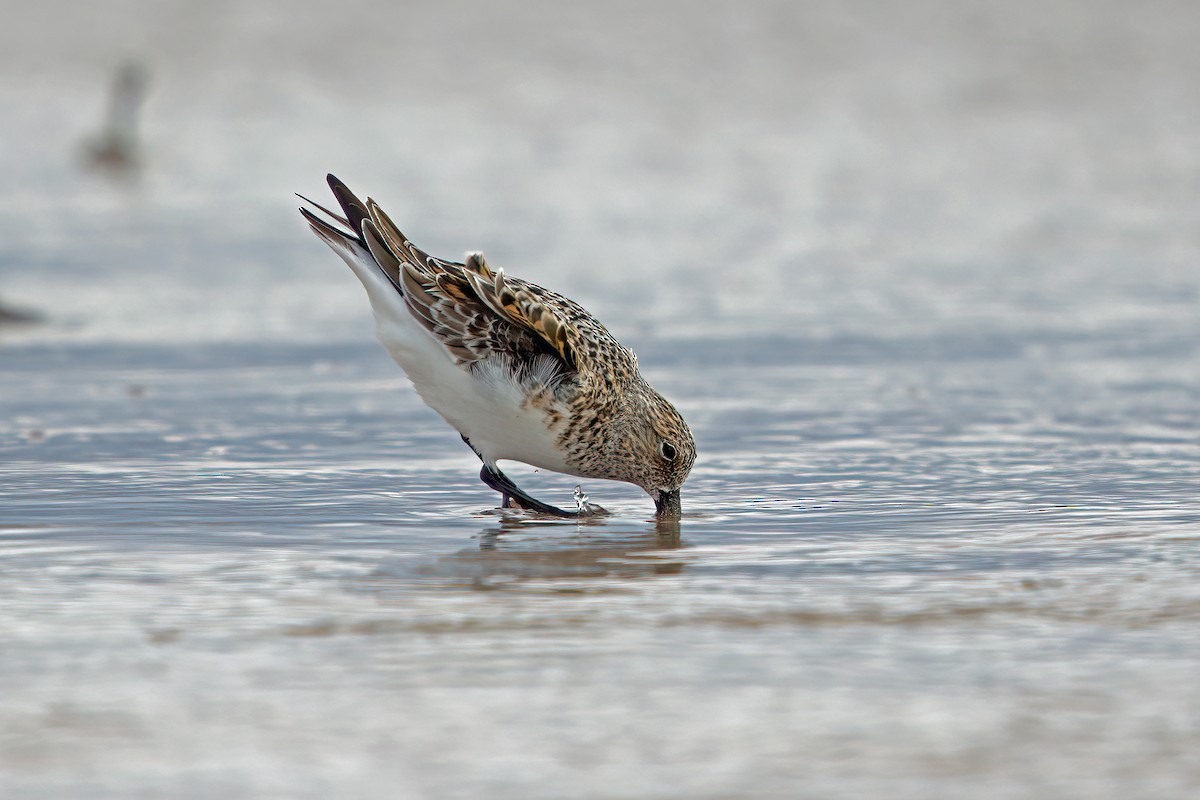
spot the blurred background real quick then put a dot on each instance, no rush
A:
(983, 160)
(924, 277)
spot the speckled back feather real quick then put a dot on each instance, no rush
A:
(477, 312)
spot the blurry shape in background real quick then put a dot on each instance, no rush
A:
(115, 149)
(18, 316)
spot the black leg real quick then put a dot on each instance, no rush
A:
(511, 492)
(513, 496)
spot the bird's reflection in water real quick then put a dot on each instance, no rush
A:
(517, 551)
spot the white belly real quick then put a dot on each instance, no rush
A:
(482, 403)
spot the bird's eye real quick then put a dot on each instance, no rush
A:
(668, 451)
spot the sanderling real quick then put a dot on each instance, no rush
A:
(523, 373)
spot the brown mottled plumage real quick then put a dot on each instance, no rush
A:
(523, 373)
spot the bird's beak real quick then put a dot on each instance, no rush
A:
(667, 504)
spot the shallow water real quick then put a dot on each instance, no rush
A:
(923, 281)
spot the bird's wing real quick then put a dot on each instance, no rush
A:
(572, 333)
(440, 295)
(446, 304)
(477, 312)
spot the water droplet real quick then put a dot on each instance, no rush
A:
(582, 501)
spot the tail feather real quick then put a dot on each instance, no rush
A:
(326, 231)
(371, 236)
(383, 255)
(332, 214)
(361, 243)
(354, 209)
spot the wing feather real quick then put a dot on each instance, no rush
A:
(474, 311)
(515, 302)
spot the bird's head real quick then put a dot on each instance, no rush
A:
(656, 450)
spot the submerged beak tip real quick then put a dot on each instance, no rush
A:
(667, 503)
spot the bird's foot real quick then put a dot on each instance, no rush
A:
(513, 496)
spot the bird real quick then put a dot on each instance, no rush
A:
(521, 372)
(115, 148)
